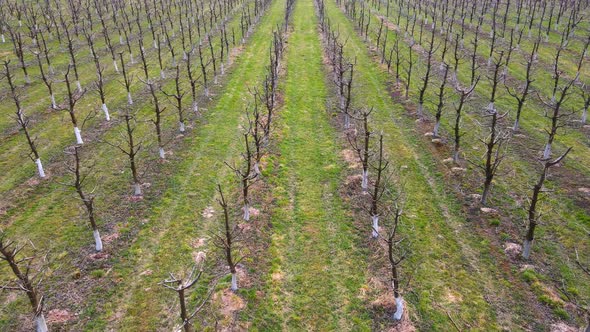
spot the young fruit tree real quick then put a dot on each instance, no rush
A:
(464, 94)
(181, 285)
(380, 166)
(360, 143)
(72, 99)
(23, 121)
(396, 254)
(227, 239)
(76, 169)
(29, 283)
(245, 173)
(533, 214)
(130, 146)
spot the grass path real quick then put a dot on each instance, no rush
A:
(317, 270)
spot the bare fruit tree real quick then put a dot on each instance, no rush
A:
(75, 168)
(181, 285)
(533, 215)
(22, 268)
(23, 121)
(228, 239)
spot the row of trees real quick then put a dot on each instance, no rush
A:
(49, 29)
(494, 139)
(230, 237)
(131, 141)
(464, 69)
(382, 199)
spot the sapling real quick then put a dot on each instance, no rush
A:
(533, 215)
(23, 121)
(75, 168)
(227, 239)
(29, 283)
(181, 285)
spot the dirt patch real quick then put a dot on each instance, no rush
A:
(59, 316)
(351, 158)
(208, 212)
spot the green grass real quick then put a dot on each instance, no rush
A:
(317, 269)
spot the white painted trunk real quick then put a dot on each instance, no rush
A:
(131, 58)
(120, 40)
(529, 34)
(222, 69)
(234, 282)
(97, 240)
(246, 209)
(436, 126)
(173, 61)
(137, 189)
(547, 151)
(78, 86)
(78, 134)
(20, 23)
(184, 56)
(346, 121)
(584, 115)
(106, 112)
(181, 124)
(257, 168)
(162, 74)
(489, 61)
(399, 308)
(375, 219)
(420, 109)
(195, 107)
(27, 79)
(516, 125)
(129, 99)
(53, 104)
(161, 153)
(456, 156)
(526, 249)
(215, 79)
(3, 39)
(155, 45)
(206, 92)
(491, 107)
(365, 180)
(546, 38)
(40, 323)
(491, 33)
(116, 67)
(40, 168)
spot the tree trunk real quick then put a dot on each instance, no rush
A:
(365, 181)
(526, 249)
(547, 151)
(375, 219)
(246, 209)
(181, 125)
(78, 134)
(399, 308)
(137, 189)
(53, 103)
(234, 281)
(106, 112)
(115, 65)
(40, 168)
(97, 240)
(129, 99)
(40, 323)
(161, 153)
